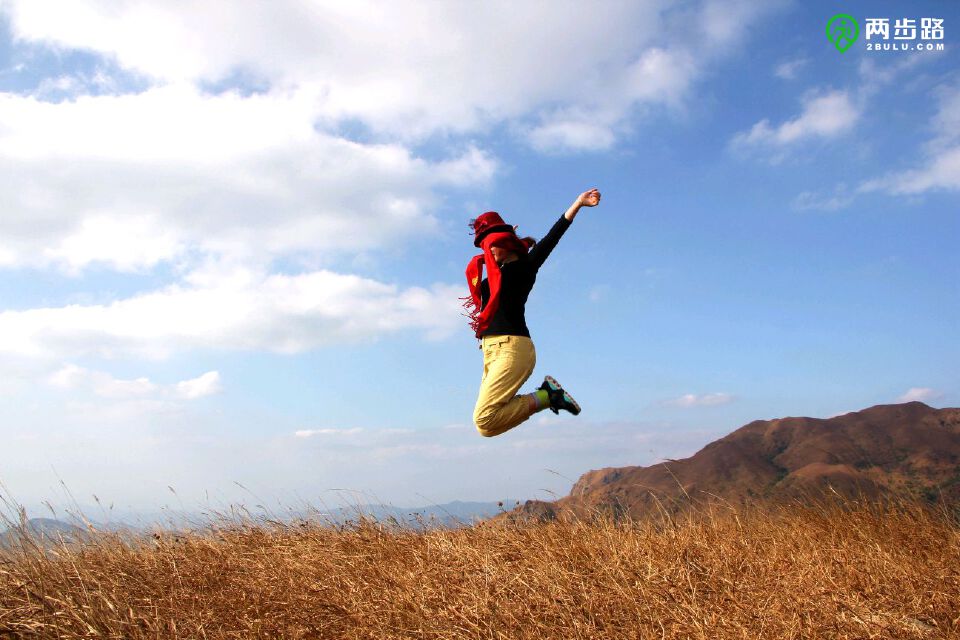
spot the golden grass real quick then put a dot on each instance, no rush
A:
(842, 571)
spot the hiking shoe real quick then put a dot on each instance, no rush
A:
(559, 399)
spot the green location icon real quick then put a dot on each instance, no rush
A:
(843, 31)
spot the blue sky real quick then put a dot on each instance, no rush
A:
(232, 238)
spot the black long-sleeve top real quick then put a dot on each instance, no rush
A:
(516, 281)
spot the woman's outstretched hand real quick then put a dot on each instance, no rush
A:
(589, 198)
(586, 199)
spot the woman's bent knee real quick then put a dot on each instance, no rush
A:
(484, 416)
(484, 424)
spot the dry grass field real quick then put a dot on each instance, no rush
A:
(840, 571)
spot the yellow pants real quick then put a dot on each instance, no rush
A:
(507, 363)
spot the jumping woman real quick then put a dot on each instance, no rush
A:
(496, 306)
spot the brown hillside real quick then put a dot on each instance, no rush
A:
(904, 449)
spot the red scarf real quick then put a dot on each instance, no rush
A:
(481, 314)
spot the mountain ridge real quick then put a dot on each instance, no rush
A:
(907, 449)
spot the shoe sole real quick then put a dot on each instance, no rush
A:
(550, 380)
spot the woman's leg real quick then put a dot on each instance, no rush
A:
(507, 363)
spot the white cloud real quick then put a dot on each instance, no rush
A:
(127, 243)
(921, 394)
(724, 23)
(71, 376)
(243, 310)
(307, 433)
(840, 198)
(940, 169)
(488, 63)
(133, 180)
(942, 163)
(941, 172)
(130, 181)
(823, 116)
(569, 131)
(789, 69)
(658, 77)
(876, 73)
(705, 400)
(104, 385)
(205, 385)
(946, 123)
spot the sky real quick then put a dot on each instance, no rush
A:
(233, 236)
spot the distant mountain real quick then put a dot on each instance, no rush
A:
(41, 530)
(903, 449)
(450, 514)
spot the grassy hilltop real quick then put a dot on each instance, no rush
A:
(846, 570)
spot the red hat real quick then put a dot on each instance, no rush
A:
(487, 223)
